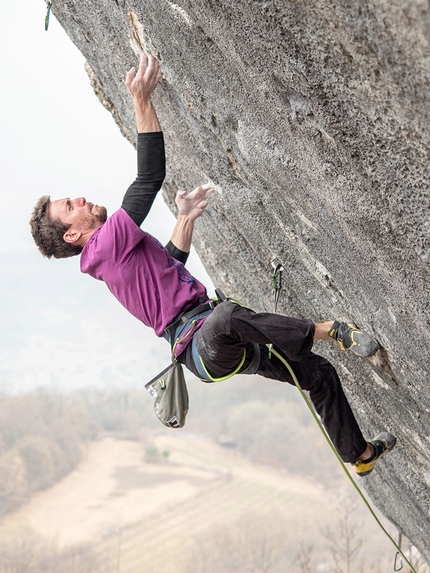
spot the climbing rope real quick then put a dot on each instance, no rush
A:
(399, 552)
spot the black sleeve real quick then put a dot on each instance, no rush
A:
(151, 170)
(176, 253)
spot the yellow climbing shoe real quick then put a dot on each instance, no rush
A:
(350, 337)
(382, 444)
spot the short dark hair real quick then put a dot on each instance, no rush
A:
(48, 234)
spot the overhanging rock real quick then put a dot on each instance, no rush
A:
(312, 120)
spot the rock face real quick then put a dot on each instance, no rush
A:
(312, 120)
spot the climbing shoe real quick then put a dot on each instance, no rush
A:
(382, 444)
(350, 337)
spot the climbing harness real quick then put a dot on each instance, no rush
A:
(203, 372)
(48, 12)
(183, 327)
(169, 388)
(186, 320)
(399, 552)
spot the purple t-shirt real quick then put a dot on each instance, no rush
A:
(140, 272)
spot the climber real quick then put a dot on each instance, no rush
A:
(152, 283)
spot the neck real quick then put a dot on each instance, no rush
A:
(85, 237)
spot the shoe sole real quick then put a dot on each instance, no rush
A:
(369, 348)
(372, 463)
(368, 345)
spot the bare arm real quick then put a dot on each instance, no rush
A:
(190, 207)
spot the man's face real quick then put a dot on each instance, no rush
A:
(78, 213)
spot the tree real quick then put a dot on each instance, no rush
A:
(254, 544)
(304, 558)
(347, 543)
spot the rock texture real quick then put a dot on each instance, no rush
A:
(312, 119)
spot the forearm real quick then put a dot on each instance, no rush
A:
(183, 233)
(146, 118)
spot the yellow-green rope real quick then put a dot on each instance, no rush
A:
(333, 449)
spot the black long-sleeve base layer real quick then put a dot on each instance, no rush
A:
(151, 171)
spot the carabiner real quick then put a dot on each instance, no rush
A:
(399, 545)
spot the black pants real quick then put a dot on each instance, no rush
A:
(231, 328)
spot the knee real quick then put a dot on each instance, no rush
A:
(220, 319)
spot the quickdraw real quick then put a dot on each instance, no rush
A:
(278, 269)
(48, 12)
(398, 555)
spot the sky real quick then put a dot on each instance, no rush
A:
(59, 328)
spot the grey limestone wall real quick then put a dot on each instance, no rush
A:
(311, 118)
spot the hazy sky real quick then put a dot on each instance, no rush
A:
(59, 327)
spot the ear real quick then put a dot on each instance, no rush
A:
(71, 236)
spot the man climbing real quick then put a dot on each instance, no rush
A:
(150, 281)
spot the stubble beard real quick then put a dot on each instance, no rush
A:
(101, 216)
(92, 221)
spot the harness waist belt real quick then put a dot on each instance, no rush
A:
(184, 317)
